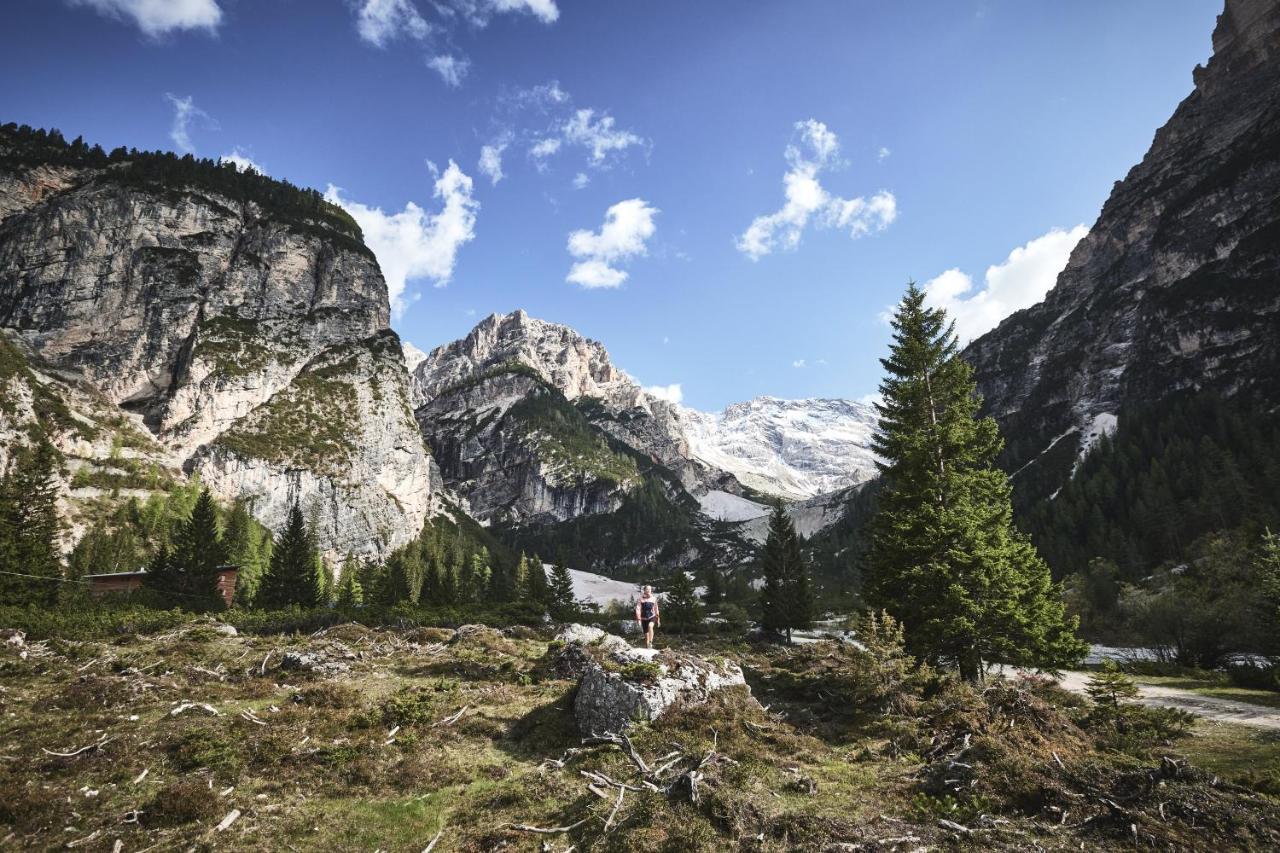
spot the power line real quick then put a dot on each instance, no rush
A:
(90, 583)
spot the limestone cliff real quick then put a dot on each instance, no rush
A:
(241, 319)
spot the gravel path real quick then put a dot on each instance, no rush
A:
(1222, 710)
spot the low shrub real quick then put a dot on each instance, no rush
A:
(1255, 676)
(183, 801)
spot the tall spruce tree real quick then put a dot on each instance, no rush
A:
(350, 593)
(560, 591)
(291, 578)
(714, 593)
(198, 552)
(786, 601)
(680, 605)
(536, 591)
(944, 557)
(29, 527)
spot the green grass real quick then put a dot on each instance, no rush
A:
(1213, 686)
(1241, 754)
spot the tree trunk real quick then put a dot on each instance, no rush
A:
(971, 667)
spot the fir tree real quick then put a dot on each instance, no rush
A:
(198, 553)
(29, 528)
(243, 546)
(560, 592)
(1109, 685)
(162, 575)
(786, 601)
(945, 559)
(714, 593)
(291, 577)
(350, 593)
(680, 605)
(480, 576)
(536, 591)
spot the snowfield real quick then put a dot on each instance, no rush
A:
(599, 589)
(723, 506)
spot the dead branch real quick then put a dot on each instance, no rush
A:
(624, 743)
(232, 817)
(88, 839)
(608, 823)
(553, 830)
(102, 741)
(431, 845)
(449, 721)
(189, 706)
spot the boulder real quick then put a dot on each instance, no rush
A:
(331, 659)
(622, 686)
(13, 638)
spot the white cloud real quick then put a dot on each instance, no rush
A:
(672, 393)
(158, 17)
(581, 180)
(479, 12)
(883, 154)
(544, 148)
(873, 399)
(799, 363)
(598, 135)
(1018, 282)
(184, 112)
(242, 161)
(491, 162)
(414, 243)
(381, 21)
(817, 149)
(627, 225)
(450, 68)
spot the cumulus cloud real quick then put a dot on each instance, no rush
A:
(799, 364)
(883, 154)
(158, 17)
(1018, 282)
(479, 12)
(450, 68)
(581, 180)
(491, 162)
(185, 112)
(415, 243)
(627, 225)
(380, 22)
(242, 161)
(544, 148)
(672, 393)
(807, 201)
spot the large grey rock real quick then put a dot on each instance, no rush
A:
(615, 693)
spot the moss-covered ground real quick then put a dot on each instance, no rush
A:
(409, 735)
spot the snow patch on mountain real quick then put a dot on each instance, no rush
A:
(598, 589)
(1104, 423)
(794, 448)
(723, 506)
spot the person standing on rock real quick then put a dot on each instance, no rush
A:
(647, 615)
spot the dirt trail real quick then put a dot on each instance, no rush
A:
(1222, 710)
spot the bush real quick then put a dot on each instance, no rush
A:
(1136, 728)
(735, 618)
(1254, 676)
(184, 801)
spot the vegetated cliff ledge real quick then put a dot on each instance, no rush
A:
(241, 318)
(1176, 287)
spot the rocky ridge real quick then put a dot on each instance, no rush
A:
(1175, 289)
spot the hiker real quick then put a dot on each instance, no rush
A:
(647, 615)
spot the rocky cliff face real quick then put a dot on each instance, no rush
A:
(251, 340)
(1177, 285)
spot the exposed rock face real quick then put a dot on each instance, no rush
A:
(215, 319)
(1177, 285)
(622, 685)
(794, 448)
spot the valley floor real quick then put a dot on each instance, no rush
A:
(371, 739)
(1210, 707)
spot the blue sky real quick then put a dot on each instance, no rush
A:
(958, 142)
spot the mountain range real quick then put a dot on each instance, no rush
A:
(166, 318)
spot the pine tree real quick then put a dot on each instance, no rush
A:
(536, 591)
(291, 577)
(520, 578)
(162, 575)
(350, 593)
(198, 553)
(30, 528)
(945, 559)
(243, 546)
(560, 592)
(1109, 685)
(786, 601)
(680, 605)
(714, 593)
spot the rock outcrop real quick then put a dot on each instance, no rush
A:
(1177, 285)
(621, 685)
(244, 322)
